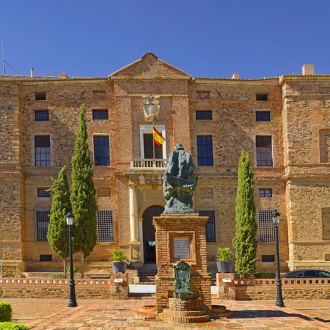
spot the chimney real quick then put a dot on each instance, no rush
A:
(63, 75)
(236, 75)
(308, 69)
(31, 72)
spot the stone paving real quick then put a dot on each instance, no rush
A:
(100, 314)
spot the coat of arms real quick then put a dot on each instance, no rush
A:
(151, 106)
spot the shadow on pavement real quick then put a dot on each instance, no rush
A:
(249, 314)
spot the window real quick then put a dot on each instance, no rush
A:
(101, 150)
(40, 96)
(262, 115)
(262, 97)
(41, 115)
(266, 229)
(264, 151)
(268, 258)
(105, 226)
(210, 225)
(265, 193)
(42, 218)
(46, 257)
(43, 192)
(150, 147)
(204, 115)
(42, 150)
(204, 150)
(100, 114)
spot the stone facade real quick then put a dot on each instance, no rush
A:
(298, 176)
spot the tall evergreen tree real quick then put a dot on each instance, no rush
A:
(83, 200)
(57, 234)
(245, 241)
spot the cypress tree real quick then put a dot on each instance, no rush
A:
(245, 241)
(57, 233)
(83, 200)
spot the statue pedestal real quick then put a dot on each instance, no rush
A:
(182, 237)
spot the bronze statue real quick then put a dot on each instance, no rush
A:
(179, 182)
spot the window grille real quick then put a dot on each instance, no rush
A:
(41, 115)
(42, 150)
(265, 193)
(204, 150)
(264, 151)
(105, 226)
(42, 219)
(262, 115)
(100, 114)
(210, 225)
(101, 150)
(204, 115)
(266, 229)
(43, 192)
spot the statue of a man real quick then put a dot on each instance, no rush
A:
(179, 182)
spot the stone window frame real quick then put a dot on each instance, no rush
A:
(203, 115)
(41, 216)
(266, 228)
(106, 159)
(96, 113)
(105, 225)
(41, 115)
(259, 115)
(35, 153)
(204, 157)
(264, 156)
(211, 225)
(147, 129)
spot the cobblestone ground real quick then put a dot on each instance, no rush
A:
(100, 314)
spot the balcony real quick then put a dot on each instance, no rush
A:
(138, 163)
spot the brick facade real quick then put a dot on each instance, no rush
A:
(299, 178)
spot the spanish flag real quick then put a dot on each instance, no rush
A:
(158, 139)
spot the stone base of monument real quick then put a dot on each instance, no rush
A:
(219, 311)
(184, 311)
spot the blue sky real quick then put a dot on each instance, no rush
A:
(203, 38)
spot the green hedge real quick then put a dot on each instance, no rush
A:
(13, 326)
(5, 311)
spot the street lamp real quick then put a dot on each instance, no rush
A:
(279, 299)
(72, 299)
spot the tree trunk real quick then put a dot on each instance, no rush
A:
(82, 264)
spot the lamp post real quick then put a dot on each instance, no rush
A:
(72, 298)
(279, 299)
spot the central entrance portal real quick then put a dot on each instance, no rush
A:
(149, 243)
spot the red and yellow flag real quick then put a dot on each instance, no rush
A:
(158, 138)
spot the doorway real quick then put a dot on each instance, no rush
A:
(149, 243)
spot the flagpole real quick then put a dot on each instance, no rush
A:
(153, 143)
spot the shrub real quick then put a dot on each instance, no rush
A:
(118, 255)
(13, 326)
(59, 275)
(264, 275)
(224, 254)
(5, 311)
(75, 269)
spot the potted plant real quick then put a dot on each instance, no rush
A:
(225, 258)
(118, 259)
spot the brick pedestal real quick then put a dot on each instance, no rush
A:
(188, 227)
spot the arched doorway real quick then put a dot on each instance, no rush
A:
(149, 244)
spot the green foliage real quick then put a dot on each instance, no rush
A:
(13, 326)
(57, 234)
(5, 311)
(75, 269)
(245, 241)
(225, 254)
(83, 200)
(118, 255)
(59, 275)
(264, 275)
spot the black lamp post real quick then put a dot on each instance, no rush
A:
(279, 299)
(72, 299)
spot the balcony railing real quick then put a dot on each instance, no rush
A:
(148, 163)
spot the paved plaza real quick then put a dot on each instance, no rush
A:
(97, 314)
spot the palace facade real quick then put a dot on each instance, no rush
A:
(283, 122)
